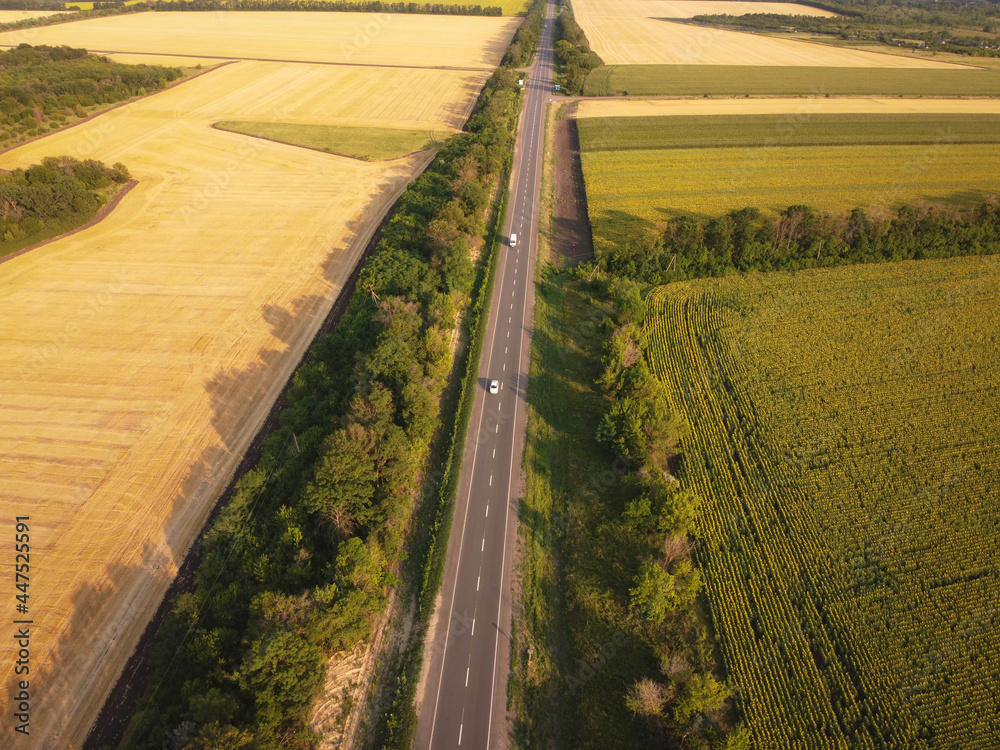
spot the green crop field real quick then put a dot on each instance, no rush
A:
(739, 80)
(794, 129)
(368, 144)
(845, 440)
(708, 165)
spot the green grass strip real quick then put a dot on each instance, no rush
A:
(794, 129)
(740, 80)
(367, 144)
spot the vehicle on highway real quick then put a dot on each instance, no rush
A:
(494, 386)
(513, 240)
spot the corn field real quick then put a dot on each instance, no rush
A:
(845, 438)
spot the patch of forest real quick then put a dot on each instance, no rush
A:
(48, 199)
(46, 88)
(959, 27)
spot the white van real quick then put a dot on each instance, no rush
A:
(513, 240)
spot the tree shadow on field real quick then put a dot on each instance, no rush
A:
(618, 230)
(67, 679)
(236, 393)
(673, 213)
(245, 405)
(457, 111)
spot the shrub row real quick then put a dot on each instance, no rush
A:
(572, 52)
(801, 237)
(525, 42)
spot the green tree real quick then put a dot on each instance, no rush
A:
(283, 671)
(701, 693)
(216, 736)
(344, 484)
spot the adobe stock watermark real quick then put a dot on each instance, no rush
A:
(45, 353)
(219, 181)
(365, 35)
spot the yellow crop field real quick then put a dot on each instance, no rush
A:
(655, 184)
(629, 32)
(142, 354)
(692, 8)
(781, 106)
(359, 38)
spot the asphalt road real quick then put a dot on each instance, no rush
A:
(465, 694)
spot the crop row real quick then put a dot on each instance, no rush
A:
(844, 437)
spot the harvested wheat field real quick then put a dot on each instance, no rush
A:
(628, 32)
(424, 41)
(143, 354)
(13, 16)
(779, 106)
(692, 8)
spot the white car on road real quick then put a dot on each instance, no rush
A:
(513, 240)
(494, 386)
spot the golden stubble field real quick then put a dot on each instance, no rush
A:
(142, 354)
(358, 38)
(13, 16)
(629, 32)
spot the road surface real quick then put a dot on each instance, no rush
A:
(465, 695)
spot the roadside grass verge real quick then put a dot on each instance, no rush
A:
(799, 129)
(738, 80)
(576, 651)
(367, 144)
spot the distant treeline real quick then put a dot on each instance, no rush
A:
(337, 6)
(99, 10)
(299, 563)
(942, 26)
(21, 5)
(801, 237)
(53, 197)
(572, 52)
(44, 88)
(358, 6)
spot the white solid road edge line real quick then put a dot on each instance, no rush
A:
(461, 541)
(503, 559)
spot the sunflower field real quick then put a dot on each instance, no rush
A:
(845, 439)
